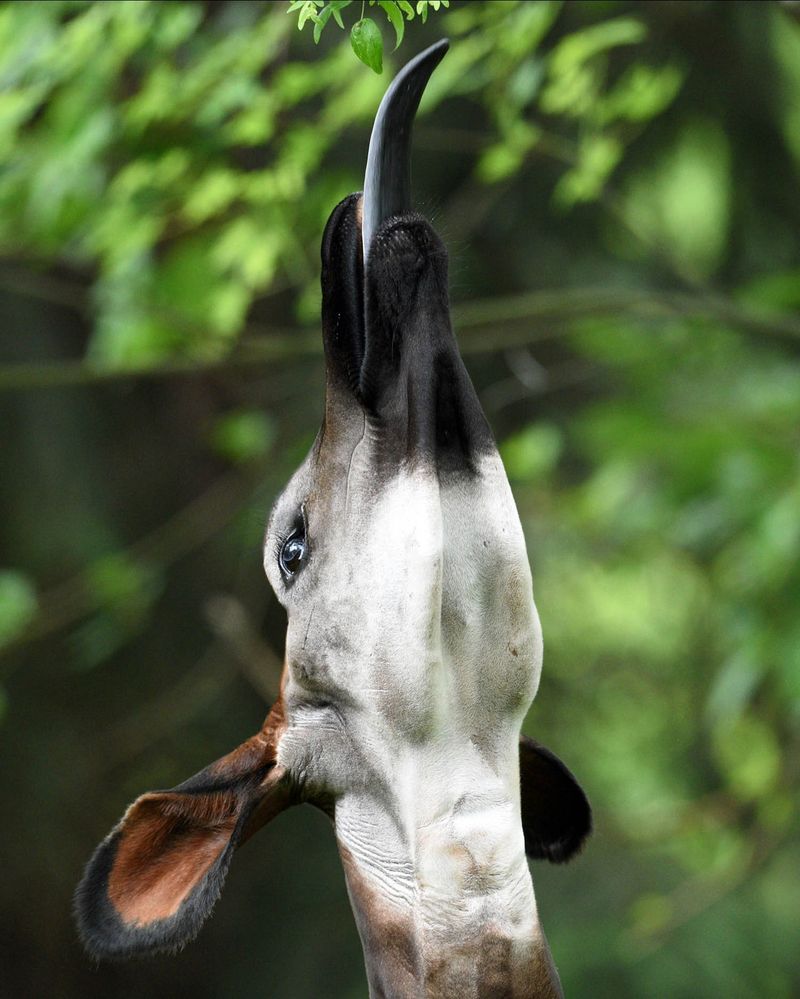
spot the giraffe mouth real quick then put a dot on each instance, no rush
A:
(385, 303)
(395, 242)
(366, 262)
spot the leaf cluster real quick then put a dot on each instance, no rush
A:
(180, 167)
(365, 35)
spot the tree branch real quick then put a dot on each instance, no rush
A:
(478, 322)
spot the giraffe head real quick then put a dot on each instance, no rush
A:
(413, 648)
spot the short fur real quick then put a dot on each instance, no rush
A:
(413, 652)
(171, 851)
(556, 815)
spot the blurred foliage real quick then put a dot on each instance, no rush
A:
(617, 183)
(17, 605)
(243, 435)
(185, 164)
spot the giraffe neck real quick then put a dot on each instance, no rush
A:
(442, 894)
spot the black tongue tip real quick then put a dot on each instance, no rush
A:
(387, 181)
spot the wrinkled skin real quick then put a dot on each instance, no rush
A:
(414, 647)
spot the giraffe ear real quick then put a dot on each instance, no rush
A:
(154, 880)
(556, 815)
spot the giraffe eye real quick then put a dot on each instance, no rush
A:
(293, 553)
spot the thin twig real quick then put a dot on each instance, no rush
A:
(694, 896)
(231, 624)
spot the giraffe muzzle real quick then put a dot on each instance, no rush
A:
(386, 313)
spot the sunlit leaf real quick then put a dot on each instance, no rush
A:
(395, 17)
(320, 21)
(640, 94)
(598, 155)
(336, 9)
(575, 73)
(365, 37)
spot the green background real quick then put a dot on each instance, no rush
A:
(617, 184)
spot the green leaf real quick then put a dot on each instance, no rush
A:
(308, 12)
(392, 11)
(320, 22)
(424, 5)
(328, 11)
(576, 67)
(598, 155)
(17, 605)
(336, 7)
(583, 45)
(367, 43)
(640, 94)
(406, 8)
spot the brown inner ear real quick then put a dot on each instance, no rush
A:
(169, 843)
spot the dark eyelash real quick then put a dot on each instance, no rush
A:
(278, 542)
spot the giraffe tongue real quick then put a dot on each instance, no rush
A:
(387, 182)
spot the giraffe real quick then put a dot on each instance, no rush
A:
(413, 650)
